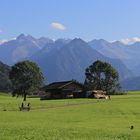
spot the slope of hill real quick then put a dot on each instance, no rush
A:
(113, 50)
(24, 46)
(131, 83)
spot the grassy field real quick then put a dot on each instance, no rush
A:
(73, 119)
(133, 92)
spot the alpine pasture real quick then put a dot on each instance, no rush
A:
(71, 119)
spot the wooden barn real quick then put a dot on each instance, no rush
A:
(62, 90)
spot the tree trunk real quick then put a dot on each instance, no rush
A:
(24, 97)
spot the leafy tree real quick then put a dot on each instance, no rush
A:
(26, 77)
(102, 76)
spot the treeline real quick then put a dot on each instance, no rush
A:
(27, 76)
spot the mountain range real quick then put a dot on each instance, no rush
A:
(21, 48)
(70, 59)
(66, 59)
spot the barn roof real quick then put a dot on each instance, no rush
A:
(60, 85)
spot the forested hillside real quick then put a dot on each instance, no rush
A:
(5, 84)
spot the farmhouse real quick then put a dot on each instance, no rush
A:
(62, 90)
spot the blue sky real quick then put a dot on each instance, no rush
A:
(87, 19)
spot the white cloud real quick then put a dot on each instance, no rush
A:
(3, 41)
(130, 40)
(58, 26)
(14, 38)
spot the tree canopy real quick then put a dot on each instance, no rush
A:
(26, 77)
(102, 76)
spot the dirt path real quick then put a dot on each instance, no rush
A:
(55, 107)
(67, 105)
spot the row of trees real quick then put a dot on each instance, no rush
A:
(26, 78)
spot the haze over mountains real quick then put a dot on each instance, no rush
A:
(66, 59)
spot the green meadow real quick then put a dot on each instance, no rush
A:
(71, 119)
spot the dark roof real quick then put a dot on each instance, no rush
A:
(59, 85)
